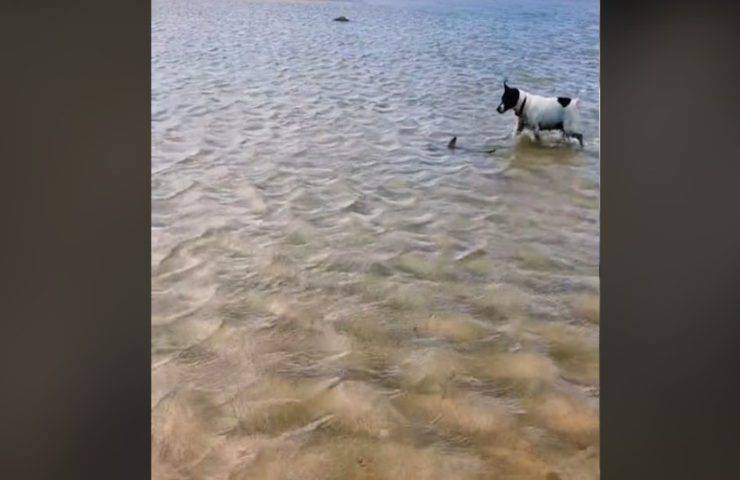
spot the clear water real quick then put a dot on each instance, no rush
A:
(335, 294)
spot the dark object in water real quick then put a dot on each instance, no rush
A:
(341, 19)
(452, 145)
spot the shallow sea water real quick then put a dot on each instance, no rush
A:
(335, 295)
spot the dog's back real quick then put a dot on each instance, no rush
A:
(553, 112)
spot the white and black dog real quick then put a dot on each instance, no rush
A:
(539, 113)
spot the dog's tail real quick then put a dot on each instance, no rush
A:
(576, 112)
(572, 119)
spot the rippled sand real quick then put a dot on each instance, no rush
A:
(335, 294)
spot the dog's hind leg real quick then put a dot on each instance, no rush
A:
(578, 137)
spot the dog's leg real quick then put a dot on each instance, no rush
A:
(536, 132)
(519, 126)
(578, 137)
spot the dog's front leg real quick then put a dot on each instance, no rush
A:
(519, 125)
(536, 132)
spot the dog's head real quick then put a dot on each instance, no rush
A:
(509, 99)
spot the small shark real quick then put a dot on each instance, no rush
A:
(452, 145)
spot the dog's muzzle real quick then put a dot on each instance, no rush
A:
(501, 108)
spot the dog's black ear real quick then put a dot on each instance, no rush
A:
(506, 87)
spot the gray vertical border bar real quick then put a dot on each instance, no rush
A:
(75, 197)
(670, 240)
